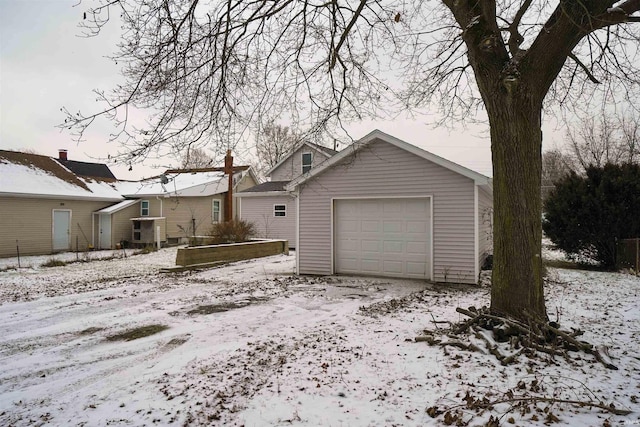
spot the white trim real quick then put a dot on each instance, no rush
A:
(379, 135)
(297, 196)
(262, 193)
(302, 154)
(148, 208)
(213, 202)
(431, 230)
(239, 208)
(476, 232)
(285, 210)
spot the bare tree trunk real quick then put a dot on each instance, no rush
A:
(516, 142)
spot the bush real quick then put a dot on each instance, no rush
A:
(232, 231)
(585, 215)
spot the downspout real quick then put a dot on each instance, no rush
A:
(228, 203)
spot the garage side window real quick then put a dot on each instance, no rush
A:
(307, 158)
(280, 210)
(215, 211)
(144, 208)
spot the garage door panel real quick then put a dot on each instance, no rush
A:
(417, 248)
(419, 227)
(416, 268)
(387, 237)
(392, 226)
(391, 247)
(370, 226)
(370, 246)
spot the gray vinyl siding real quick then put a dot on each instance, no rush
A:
(485, 224)
(383, 170)
(292, 167)
(259, 211)
(27, 223)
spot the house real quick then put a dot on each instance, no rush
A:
(179, 203)
(45, 207)
(269, 206)
(384, 207)
(51, 205)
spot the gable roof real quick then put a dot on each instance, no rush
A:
(34, 175)
(376, 135)
(94, 170)
(328, 152)
(183, 183)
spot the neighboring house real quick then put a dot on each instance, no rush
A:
(51, 205)
(182, 203)
(45, 207)
(383, 207)
(269, 206)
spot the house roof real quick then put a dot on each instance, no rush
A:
(326, 151)
(183, 183)
(118, 206)
(378, 135)
(265, 187)
(33, 175)
(94, 170)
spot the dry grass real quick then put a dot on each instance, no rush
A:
(137, 333)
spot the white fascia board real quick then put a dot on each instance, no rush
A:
(262, 194)
(478, 178)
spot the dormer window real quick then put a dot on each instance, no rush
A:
(307, 158)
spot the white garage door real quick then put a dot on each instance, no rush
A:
(383, 237)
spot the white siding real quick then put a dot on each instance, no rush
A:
(383, 170)
(292, 167)
(259, 211)
(485, 225)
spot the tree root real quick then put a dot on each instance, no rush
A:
(544, 337)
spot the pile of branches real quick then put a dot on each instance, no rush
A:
(535, 335)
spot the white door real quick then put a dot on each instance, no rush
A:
(383, 237)
(61, 230)
(105, 231)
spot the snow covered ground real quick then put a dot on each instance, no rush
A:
(251, 344)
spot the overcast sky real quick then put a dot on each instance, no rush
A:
(45, 65)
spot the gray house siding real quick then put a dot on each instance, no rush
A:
(260, 211)
(485, 225)
(292, 167)
(382, 170)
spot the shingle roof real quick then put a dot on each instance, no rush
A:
(266, 186)
(93, 170)
(33, 175)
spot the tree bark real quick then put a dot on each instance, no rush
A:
(516, 142)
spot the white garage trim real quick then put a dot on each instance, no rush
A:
(398, 197)
(476, 232)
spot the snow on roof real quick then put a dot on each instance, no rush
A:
(179, 183)
(25, 174)
(118, 206)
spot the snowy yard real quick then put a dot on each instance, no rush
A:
(251, 344)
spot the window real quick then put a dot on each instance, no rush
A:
(307, 158)
(215, 211)
(144, 208)
(280, 210)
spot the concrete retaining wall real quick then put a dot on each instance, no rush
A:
(230, 252)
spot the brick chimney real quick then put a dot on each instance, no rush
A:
(62, 154)
(228, 203)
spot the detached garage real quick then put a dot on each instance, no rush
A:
(383, 207)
